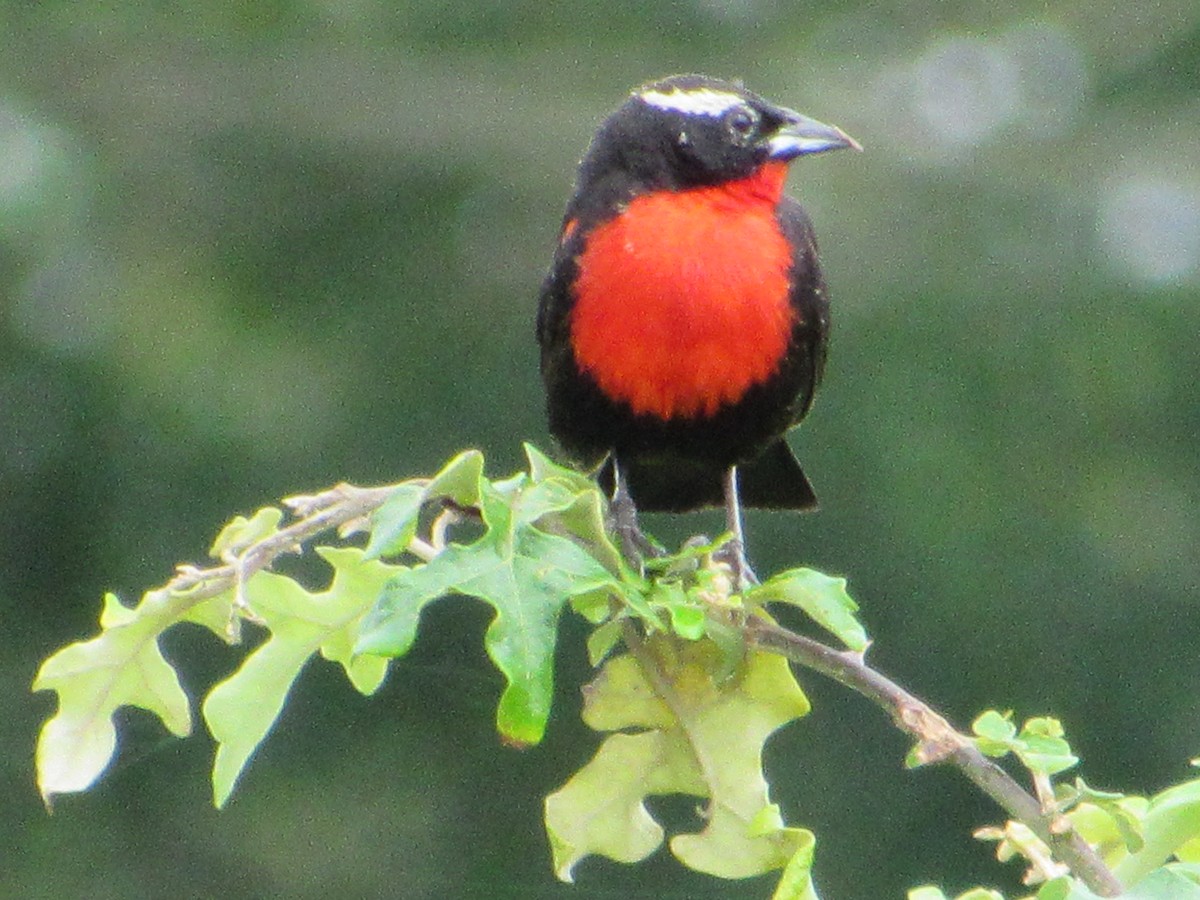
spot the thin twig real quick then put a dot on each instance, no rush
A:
(319, 512)
(939, 742)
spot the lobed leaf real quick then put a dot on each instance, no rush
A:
(241, 710)
(823, 597)
(122, 666)
(526, 564)
(694, 735)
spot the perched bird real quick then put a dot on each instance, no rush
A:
(683, 321)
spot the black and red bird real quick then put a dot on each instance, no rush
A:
(683, 322)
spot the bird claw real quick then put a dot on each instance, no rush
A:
(634, 545)
(733, 554)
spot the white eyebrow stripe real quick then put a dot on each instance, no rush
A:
(701, 101)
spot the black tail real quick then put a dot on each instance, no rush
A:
(772, 480)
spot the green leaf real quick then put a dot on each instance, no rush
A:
(1190, 871)
(688, 558)
(994, 733)
(1039, 745)
(394, 524)
(602, 640)
(241, 532)
(927, 892)
(1171, 820)
(526, 574)
(822, 597)
(1160, 884)
(1189, 852)
(687, 614)
(241, 710)
(1042, 747)
(796, 881)
(542, 468)
(123, 666)
(696, 735)
(687, 620)
(1111, 822)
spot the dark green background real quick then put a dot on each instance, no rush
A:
(248, 250)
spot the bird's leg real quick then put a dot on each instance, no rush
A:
(634, 545)
(743, 575)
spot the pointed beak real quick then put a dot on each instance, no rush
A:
(799, 135)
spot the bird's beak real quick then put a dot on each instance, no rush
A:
(799, 135)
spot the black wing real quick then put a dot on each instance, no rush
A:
(810, 299)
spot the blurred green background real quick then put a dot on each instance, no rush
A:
(251, 249)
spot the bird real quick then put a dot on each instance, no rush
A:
(684, 320)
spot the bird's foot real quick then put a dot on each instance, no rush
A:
(634, 545)
(733, 554)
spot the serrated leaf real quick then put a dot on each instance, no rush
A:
(1085, 792)
(594, 606)
(241, 710)
(822, 597)
(707, 742)
(1042, 726)
(218, 615)
(689, 557)
(122, 666)
(524, 573)
(585, 516)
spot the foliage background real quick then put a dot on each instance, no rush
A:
(252, 249)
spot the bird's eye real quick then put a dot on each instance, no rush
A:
(742, 122)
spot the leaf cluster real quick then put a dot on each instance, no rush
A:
(685, 696)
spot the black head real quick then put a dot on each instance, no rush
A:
(690, 130)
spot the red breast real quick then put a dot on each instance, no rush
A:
(682, 299)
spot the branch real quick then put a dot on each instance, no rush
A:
(342, 507)
(939, 742)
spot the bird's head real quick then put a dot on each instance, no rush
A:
(690, 131)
